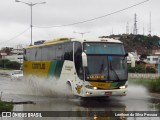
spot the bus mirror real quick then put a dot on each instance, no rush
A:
(126, 54)
(84, 59)
(132, 59)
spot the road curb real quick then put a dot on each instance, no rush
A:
(156, 95)
(5, 72)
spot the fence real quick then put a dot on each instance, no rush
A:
(143, 75)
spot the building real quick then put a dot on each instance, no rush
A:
(153, 59)
(136, 57)
(17, 58)
(12, 54)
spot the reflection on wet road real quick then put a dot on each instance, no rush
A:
(136, 100)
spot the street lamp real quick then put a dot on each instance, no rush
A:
(30, 4)
(82, 33)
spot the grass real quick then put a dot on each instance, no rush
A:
(6, 106)
(6, 69)
(152, 85)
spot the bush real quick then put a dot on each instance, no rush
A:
(140, 69)
(150, 70)
(152, 85)
(13, 65)
(5, 63)
(6, 106)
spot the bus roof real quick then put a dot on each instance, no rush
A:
(61, 40)
(96, 40)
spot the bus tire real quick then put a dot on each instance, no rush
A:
(69, 87)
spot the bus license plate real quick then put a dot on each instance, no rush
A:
(108, 93)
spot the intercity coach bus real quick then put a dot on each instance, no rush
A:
(89, 67)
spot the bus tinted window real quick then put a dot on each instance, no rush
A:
(51, 52)
(44, 53)
(59, 52)
(39, 53)
(62, 51)
(68, 51)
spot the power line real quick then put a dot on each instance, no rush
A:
(76, 23)
(16, 35)
(80, 21)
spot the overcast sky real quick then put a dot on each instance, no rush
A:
(15, 19)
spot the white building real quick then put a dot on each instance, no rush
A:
(17, 51)
(153, 59)
(17, 58)
(15, 55)
(136, 57)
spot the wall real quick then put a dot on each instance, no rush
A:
(142, 75)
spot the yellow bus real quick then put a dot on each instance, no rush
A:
(91, 67)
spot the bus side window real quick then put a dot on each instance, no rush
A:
(66, 56)
(24, 56)
(51, 55)
(39, 53)
(24, 51)
(44, 53)
(27, 54)
(68, 51)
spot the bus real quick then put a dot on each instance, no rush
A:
(91, 67)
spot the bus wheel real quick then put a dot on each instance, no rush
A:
(69, 88)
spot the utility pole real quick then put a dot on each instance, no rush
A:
(82, 33)
(127, 28)
(143, 29)
(150, 24)
(31, 5)
(135, 30)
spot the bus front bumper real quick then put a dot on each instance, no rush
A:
(103, 93)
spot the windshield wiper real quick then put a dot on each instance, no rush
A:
(102, 68)
(111, 68)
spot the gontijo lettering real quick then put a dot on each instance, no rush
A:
(38, 65)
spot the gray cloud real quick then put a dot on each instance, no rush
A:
(15, 18)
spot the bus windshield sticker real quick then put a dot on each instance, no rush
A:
(110, 58)
(96, 77)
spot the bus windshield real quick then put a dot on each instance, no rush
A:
(106, 61)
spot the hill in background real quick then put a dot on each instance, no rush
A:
(144, 45)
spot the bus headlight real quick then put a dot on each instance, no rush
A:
(95, 88)
(88, 93)
(123, 87)
(91, 87)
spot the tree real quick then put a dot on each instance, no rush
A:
(5, 63)
(13, 65)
